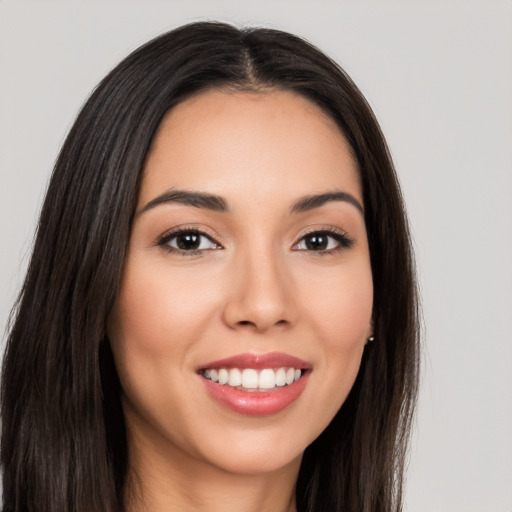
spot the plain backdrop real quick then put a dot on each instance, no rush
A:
(439, 77)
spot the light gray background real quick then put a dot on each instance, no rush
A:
(439, 77)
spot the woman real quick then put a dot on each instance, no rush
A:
(220, 310)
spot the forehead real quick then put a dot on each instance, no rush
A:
(229, 143)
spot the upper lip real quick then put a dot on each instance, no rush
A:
(258, 362)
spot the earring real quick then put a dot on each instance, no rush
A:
(371, 338)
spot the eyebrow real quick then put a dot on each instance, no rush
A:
(315, 201)
(219, 204)
(197, 199)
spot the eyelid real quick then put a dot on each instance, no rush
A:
(341, 236)
(163, 240)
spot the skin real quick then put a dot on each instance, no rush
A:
(255, 288)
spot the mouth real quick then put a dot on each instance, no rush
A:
(256, 384)
(253, 380)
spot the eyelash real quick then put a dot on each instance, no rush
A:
(342, 239)
(166, 239)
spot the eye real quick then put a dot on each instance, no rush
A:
(188, 240)
(324, 241)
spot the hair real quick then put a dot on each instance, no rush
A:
(63, 440)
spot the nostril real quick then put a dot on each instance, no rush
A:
(261, 326)
(248, 322)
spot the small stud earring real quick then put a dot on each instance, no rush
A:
(371, 338)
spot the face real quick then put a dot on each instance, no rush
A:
(248, 262)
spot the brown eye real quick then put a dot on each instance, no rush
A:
(188, 241)
(316, 242)
(324, 241)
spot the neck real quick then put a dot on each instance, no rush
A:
(162, 480)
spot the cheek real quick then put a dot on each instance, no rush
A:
(342, 308)
(157, 308)
(158, 317)
(342, 319)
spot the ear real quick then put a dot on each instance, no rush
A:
(369, 333)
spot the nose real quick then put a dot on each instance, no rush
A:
(260, 294)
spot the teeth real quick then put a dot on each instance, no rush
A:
(223, 376)
(250, 379)
(281, 377)
(235, 377)
(267, 379)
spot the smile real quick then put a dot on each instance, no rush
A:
(250, 379)
(256, 384)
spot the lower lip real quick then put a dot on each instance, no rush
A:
(256, 403)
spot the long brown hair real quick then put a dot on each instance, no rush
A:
(63, 444)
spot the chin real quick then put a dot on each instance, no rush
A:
(258, 461)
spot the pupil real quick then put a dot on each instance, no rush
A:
(189, 241)
(316, 242)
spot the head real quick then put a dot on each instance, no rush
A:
(67, 308)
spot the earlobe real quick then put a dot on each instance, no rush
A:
(370, 332)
